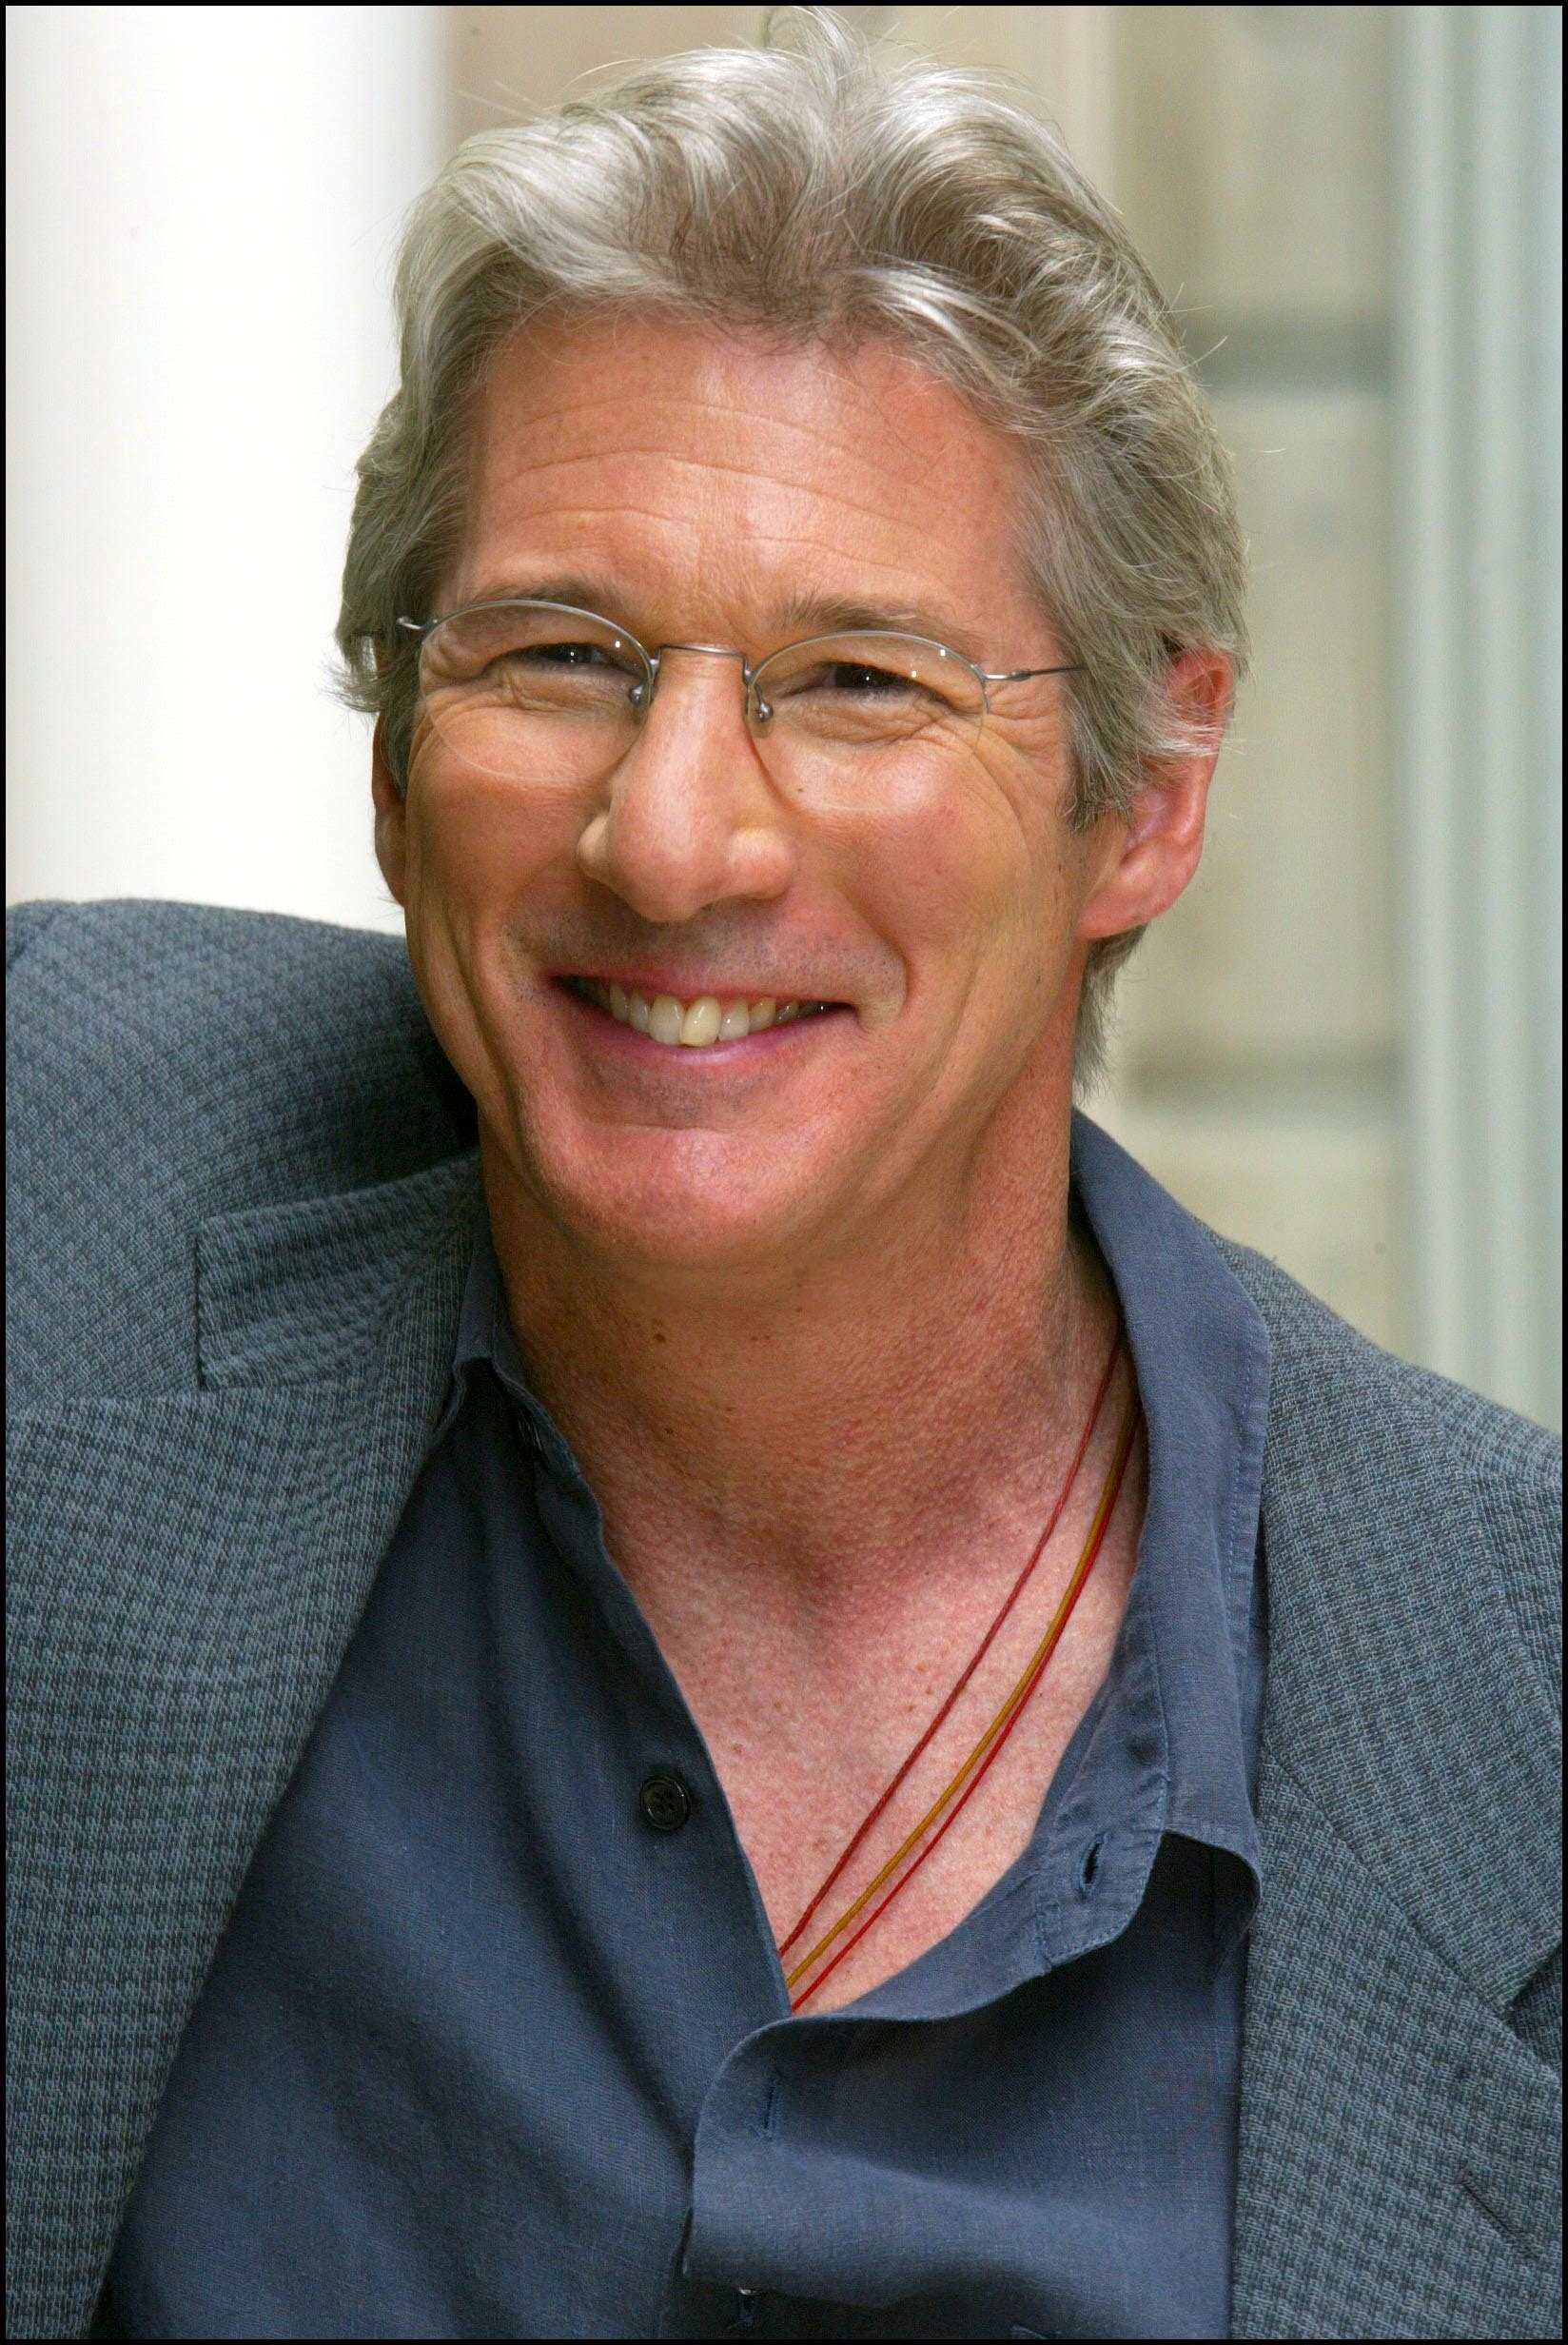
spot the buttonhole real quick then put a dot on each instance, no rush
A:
(767, 2108)
(1091, 1864)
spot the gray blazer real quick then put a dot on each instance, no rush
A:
(243, 1188)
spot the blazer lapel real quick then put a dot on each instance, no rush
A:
(1390, 2179)
(195, 1564)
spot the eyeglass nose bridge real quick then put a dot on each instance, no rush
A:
(641, 695)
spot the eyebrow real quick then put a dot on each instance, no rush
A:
(582, 594)
(834, 614)
(800, 617)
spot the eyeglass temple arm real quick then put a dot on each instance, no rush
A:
(1018, 675)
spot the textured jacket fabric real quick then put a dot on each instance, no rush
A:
(243, 1188)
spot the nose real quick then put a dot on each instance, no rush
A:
(689, 817)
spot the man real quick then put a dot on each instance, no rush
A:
(683, 1662)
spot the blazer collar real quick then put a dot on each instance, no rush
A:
(333, 1288)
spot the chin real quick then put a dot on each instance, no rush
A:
(665, 1200)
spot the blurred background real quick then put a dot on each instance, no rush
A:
(1344, 1045)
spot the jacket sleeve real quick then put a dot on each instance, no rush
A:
(26, 921)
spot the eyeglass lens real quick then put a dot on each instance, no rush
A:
(531, 691)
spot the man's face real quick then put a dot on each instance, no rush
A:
(698, 489)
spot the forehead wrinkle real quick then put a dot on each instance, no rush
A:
(992, 457)
(863, 444)
(688, 370)
(713, 466)
(666, 403)
(576, 512)
(911, 595)
(720, 392)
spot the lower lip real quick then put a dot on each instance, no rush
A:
(642, 1050)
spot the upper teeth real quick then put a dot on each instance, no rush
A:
(694, 1023)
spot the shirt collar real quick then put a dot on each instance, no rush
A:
(1168, 1743)
(1203, 1357)
(484, 1334)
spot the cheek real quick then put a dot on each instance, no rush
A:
(474, 842)
(979, 867)
(476, 847)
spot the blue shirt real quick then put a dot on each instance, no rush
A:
(484, 2053)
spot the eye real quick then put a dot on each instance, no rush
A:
(531, 659)
(860, 679)
(865, 680)
(862, 683)
(568, 654)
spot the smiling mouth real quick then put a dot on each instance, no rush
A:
(696, 1024)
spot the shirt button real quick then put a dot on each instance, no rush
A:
(665, 1803)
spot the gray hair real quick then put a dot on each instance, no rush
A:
(827, 193)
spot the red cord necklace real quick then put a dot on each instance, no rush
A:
(967, 1781)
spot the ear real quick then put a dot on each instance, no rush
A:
(1148, 855)
(391, 820)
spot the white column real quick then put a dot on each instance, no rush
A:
(1478, 551)
(202, 207)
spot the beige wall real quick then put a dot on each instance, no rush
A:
(506, 62)
(1261, 1063)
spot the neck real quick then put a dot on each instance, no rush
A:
(831, 1428)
